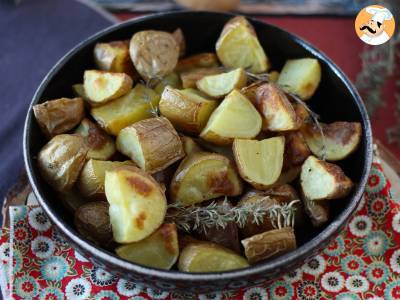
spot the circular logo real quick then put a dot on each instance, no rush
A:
(374, 25)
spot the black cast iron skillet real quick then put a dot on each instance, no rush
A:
(335, 100)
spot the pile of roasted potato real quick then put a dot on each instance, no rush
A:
(151, 127)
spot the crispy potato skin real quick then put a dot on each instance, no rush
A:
(269, 244)
(218, 178)
(59, 116)
(201, 60)
(341, 139)
(93, 222)
(159, 141)
(296, 150)
(189, 78)
(250, 91)
(186, 113)
(317, 211)
(275, 108)
(101, 146)
(61, 160)
(154, 53)
(114, 57)
(180, 39)
(208, 257)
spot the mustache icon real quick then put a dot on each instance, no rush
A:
(368, 28)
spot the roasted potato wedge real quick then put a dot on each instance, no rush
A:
(59, 116)
(203, 176)
(124, 111)
(181, 41)
(202, 60)
(60, 161)
(171, 80)
(222, 84)
(93, 222)
(189, 78)
(339, 139)
(250, 91)
(137, 203)
(269, 244)
(303, 115)
(101, 86)
(227, 237)
(159, 250)
(72, 200)
(91, 179)
(300, 77)
(186, 110)
(275, 108)
(101, 146)
(296, 150)
(114, 57)
(154, 53)
(317, 211)
(238, 47)
(189, 145)
(153, 144)
(208, 257)
(322, 180)
(234, 118)
(259, 162)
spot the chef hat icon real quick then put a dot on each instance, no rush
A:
(379, 14)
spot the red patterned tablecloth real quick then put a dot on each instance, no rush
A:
(363, 261)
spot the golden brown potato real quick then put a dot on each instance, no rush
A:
(269, 244)
(222, 84)
(227, 237)
(92, 176)
(189, 78)
(154, 53)
(296, 150)
(189, 145)
(153, 144)
(159, 250)
(208, 257)
(101, 146)
(61, 160)
(317, 211)
(114, 57)
(171, 80)
(203, 176)
(303, 115)
(93, 222)
(250, 91)
(180, 39)
(234, 118)
(59, 116)
(322, 180)
(259, 162)
(72, 200)
(275, 108)
(339, 141)
(238, 47)
(137, 203)
(300, 77)
(101, 86)
(201, 60)
(186, 110)
(133, 107)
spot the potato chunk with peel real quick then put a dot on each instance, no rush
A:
(101, 86)
(203, 176)
(269, 244)
(238, 47)
(159, 250)
(234, 118)
(208, 257)
(201, 60)
(60, 161)
(317, 211)
(300, 77)
(189, 145)
(186, 110)
(190, 78)
(341, 139)
(124, 111)
(91, 179)
(101, 146)
(153, 144)
(322, 180)
(137, 203)
(222, 84)
(275, 108)
(259, 162)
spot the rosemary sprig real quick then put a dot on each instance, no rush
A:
(264, 77)
(153, 110)
(202, 218)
